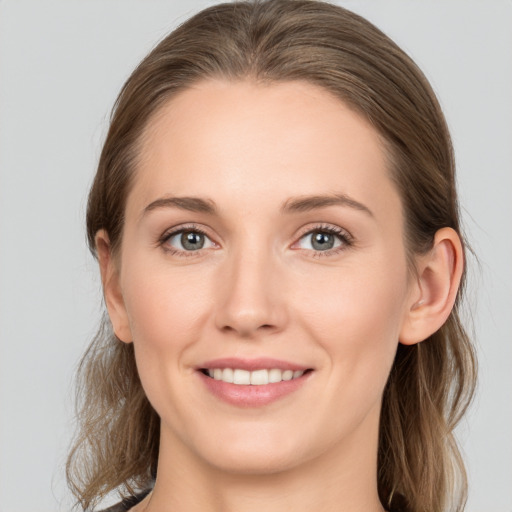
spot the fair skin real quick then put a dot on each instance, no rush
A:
(324, 287)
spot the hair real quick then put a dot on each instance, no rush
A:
(431, 384)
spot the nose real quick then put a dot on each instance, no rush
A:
(252, 298)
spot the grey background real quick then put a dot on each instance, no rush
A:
(61, 66)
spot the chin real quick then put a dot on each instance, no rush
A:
(254, 453)
(254, 463)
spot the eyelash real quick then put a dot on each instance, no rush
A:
(345, 238)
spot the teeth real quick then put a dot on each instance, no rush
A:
(259, 377)
(227, 375)
(255, 378)
(275, 375)
(288, 375)
(241, 377)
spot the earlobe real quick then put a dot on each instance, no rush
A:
(111, 288)
(439, 275)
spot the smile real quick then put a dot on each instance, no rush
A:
(252, 378)
(252, 382)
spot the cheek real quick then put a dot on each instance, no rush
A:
(164, 306)
(166, 310)
(356, 313)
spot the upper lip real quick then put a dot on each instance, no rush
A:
(260, 363)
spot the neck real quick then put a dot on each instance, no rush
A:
(341, 479)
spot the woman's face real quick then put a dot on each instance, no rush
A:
(263, 236)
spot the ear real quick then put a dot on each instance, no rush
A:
(111, 288)
(439, 275)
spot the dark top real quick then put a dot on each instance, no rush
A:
(127, 503)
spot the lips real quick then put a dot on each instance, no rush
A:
(260, 363)
(252, 382)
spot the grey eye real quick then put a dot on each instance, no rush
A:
(189, 240)
(319, 240)
(192, 241)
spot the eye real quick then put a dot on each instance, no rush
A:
(183, 240)
(325, 239)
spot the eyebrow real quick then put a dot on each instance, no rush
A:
(292, 205)
(308, 203)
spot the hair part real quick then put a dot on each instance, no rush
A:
(431, 384)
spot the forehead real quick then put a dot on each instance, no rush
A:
(241, 141)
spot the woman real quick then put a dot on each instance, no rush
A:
(276, 223)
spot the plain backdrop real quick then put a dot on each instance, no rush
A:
(61, 66)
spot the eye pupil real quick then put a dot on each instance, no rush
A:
(192, 240)
(322, 241)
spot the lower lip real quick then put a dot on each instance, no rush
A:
(249, 395)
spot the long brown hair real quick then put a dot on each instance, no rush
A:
(431, 384)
